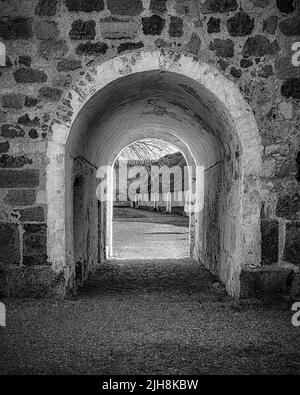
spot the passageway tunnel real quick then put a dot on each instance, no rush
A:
(169, 105)
(211, 133)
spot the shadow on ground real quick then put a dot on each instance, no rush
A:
(154, 317)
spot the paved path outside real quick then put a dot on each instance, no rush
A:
(149, 317)
(141, 234)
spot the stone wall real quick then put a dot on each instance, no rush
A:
(51, 44)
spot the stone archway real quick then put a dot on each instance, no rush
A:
(229, 147)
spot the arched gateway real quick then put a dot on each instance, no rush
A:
(142, 94)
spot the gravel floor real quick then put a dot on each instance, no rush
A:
(150, 317)
(133, 240)
(141, 234)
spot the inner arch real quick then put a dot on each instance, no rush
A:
(153, 100)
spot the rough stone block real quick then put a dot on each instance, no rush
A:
(153, 26)
(285, 6)
(158, 6)
(31, 101)
(266, 281)
(213, 25)
(285, 69)
(20, 197)
(33, 134)
(194, 44)
(291, 88)
(45, 30)
(92, 49)
(3, 116)
(130, 46)
(223, 64)
(67, 65)
(35, 245)
(25, 60)
(10, 245)
(12, 101)
(19, 178)
(218, 6)
(259, 46)
(12, 131)
(14, 29)
(27, 121)
(270, 24)
(84, 5)
(4, 147)
(125, 7)
(32, 214)
(290, 26)
(288, 206)
(115, 29)
(292, 243)
(240, 25)
(269, 241)
(14, 162)
(48, 93)
(30, 76)
(266, 71)
(245, 63)
(176, 27)
(46, 7)
(236, 73)
(82, 30)
(223, 48)
(35, 282)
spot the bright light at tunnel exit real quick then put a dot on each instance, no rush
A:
(191, 195)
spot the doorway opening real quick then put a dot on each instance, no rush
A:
(158, 95)
(151, 214)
